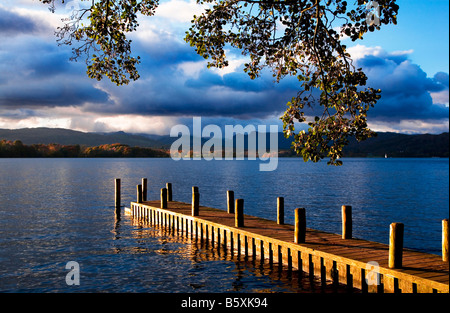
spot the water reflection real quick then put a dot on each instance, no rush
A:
(216, 269)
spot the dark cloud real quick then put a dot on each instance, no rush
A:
(396, 58)
(49, 63)
(61, 93)
(164, 89)
(38, 74)
(406, 89)
(171, 97)
(13, 24)
(241, 81)
(18, 114)
(441, 78)
(207, 79)
(371, 61)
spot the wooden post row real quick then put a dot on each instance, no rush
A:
(164, 198)
(239, 213)
(396, 245)
(139, 193)
(117, 196)
(195, 201)
(445, 240)
(169, 191)
(280, 210)
(346, 222)
(230, 201)
(300, 225)
(144, 189)
(117, 192)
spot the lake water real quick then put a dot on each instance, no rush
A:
(53, 211)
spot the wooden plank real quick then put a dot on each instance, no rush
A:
(325, 252)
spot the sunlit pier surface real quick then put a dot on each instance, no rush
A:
(335, 259)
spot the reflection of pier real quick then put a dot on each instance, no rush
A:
(334, 259)
(200, 250)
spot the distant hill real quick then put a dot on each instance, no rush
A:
(61, 136)
(400, 145)
(392, 144)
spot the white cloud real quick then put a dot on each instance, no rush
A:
(19, 118)
(234, 63)
(360, 51)
(440, 97)
(40, 15)
(77, 119)
(192, 69)
(179, 10)
(137, 124)
(410, 126)
(150, 33)
(31, 122)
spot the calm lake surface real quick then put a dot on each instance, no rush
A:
(53, 211)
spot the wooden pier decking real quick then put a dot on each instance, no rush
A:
(328, 256)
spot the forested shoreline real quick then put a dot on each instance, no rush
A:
(16, 149)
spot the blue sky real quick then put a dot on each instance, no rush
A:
(40, 87)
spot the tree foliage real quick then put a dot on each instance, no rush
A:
(99, 32)
(301, 38)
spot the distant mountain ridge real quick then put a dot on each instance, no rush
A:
(43, 135)
(392, 144)
(400, 145)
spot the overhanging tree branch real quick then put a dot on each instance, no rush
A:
(308, 47)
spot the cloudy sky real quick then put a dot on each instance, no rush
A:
(40, 87)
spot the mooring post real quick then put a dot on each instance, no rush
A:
(346, 222)
(300, 225)
(445, 240)
(117, 197)
(163, 198)
(239, 213)
(139, 193)
(396, 245)
(230, 201)
(280, 210)
(169, 191)
(117, 192)
(195, 202)
(144, 189)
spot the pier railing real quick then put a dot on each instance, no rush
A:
(335, 259)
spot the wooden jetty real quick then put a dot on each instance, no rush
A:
(336, 259)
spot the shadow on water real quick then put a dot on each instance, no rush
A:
(244, 273)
